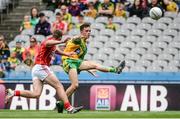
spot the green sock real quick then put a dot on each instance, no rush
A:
(112, 69)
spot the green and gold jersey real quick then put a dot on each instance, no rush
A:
(77, 45)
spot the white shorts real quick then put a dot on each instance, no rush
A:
(41, 72)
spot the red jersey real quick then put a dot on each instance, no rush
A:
(45, 54)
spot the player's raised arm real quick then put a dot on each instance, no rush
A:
(53, 42)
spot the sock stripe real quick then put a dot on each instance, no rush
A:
(17, 93)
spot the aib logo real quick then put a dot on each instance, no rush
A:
(103, 99)
(2, 96)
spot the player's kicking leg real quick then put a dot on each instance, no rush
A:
(89, 65)
(86, 65)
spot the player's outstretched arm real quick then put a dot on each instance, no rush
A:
(53, 42)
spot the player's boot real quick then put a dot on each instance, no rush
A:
(75, 110)
(9, 95)
(60, 106)
(120, 67)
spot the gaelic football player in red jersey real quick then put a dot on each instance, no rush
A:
(42, 73)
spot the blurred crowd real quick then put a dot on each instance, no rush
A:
(11, 57)
(95, 8)
(91, 8)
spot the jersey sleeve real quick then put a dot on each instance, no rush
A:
(44, 43)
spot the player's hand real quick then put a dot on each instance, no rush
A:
(70, 54)
(93, 72)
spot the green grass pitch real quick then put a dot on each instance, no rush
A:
(16, 114)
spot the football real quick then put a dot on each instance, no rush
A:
(155, 13)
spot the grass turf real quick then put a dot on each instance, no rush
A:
(86, 114)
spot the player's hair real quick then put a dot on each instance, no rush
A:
(57, 34)
(85, 25)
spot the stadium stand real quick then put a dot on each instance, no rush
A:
(6, 5)
(11, 22)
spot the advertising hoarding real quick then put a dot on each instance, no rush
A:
(136, 97)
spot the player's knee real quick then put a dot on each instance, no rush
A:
(75, 86)
(58, 86)
(95, 66)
